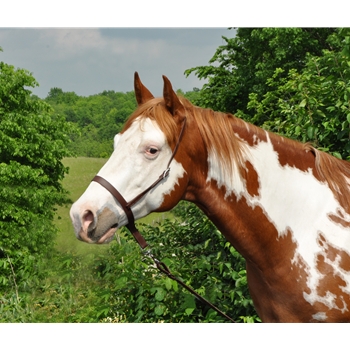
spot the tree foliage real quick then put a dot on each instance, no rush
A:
(293, 81)
(246, 61)
(32, 145)
(312, 104)
(196, 252)
(98, 118)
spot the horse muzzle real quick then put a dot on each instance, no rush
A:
(93, 227)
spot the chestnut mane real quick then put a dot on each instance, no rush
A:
(217, 131)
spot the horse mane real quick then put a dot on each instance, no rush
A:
(336, 173)
(217, 131)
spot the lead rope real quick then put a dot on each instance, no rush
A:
(137, 235)
(162, 267)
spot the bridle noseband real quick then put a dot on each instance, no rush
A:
(127, 205)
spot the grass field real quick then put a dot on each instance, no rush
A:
(81, 171)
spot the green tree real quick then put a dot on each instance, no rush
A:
(32, 145)
(246, 61)
(312, 104)
(98, 118)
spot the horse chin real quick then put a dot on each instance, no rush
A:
(108, 236)
(105, 238)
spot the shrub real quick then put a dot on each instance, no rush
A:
(196, 252)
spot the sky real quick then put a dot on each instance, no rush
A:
(91, 47)
(91, 60)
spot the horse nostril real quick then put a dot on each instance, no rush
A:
(87, 220)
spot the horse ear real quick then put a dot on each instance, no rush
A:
(172, 102)
(141, 92)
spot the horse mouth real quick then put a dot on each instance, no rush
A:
(108, 236)
(105, 237)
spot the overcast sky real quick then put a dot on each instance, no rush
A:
(66, 47)
(90, 60)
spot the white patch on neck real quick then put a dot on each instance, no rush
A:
(229, 178)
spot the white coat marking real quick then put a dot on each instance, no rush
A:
(131, 172)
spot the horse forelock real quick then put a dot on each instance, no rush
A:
(156, 110)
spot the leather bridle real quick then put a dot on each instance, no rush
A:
(127, 205)
(137, 235)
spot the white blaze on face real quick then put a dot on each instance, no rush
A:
(132, 168)
(292, 200)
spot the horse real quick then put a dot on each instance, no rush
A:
(284, 205)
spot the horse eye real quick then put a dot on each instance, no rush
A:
(153, 150)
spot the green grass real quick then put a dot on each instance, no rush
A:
(81, 171)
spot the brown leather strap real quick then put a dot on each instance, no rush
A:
(115, 194)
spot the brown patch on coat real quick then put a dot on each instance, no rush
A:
(249, 132)
(329, 262)
(339, 218)
(332, 252)
(278, 291)
(277, 279)
(252, 179)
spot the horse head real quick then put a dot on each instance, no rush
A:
(142, 151)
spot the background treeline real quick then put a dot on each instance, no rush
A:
(293, 81)
(97, 118)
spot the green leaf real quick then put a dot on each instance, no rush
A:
(206, 243)
(189, 311)
(302, 103)
(175, 285)
(310, 132)
(121, 282)
(337, 155)
(159, 309)
(168, 283)
(160, 294)
(348, 118)
(189, 301)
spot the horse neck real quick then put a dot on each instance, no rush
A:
(234, 204)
